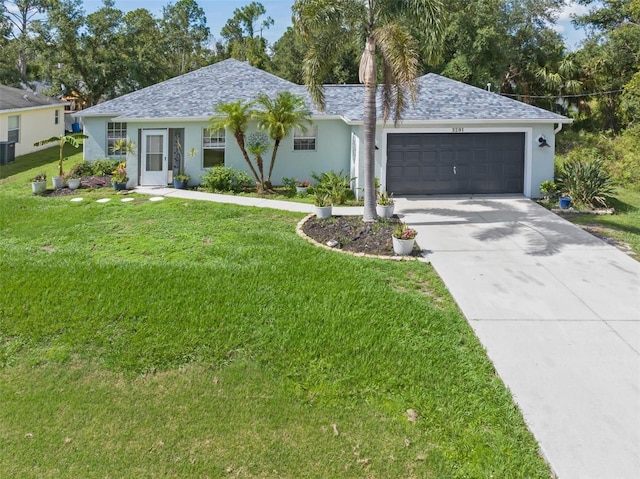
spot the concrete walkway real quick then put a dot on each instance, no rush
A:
(557, 309)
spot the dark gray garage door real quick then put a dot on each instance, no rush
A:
(455, 163)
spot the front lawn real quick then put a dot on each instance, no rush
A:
(624, 225)
(191, 339)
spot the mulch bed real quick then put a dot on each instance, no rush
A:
(91, 182)
(352, 235)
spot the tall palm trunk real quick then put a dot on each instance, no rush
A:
(240, 141)
(368, 77)
(276, 145)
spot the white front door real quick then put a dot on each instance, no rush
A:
(155, 162)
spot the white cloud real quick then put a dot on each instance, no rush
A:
(559, 28)
(571, 9)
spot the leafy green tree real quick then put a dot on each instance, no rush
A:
(278, 117)
(184, 26)
(383, 24)
(630, 101)
(241, 34)
(142, 44)
(611, 55)
(504, 43)
(234, 117)
(290, 48)
(20, 16)
(9, 73)
(80, 53)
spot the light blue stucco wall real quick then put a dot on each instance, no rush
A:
(332, 149)
(95, 146)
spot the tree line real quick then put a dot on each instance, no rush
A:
(509, 46)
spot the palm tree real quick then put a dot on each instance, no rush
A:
(234, 116)
(62, 140)
(278, 117)
(383, 24)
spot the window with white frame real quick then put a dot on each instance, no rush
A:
(13, 128)
(115, 131)
(305, 140)
(56, 117)
(213, 143)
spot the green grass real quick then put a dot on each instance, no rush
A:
(624, 225)
(191, 339)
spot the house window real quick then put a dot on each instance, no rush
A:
(57, 117)
(213, 143)
(115, 132)
(13, 130)
(305, 140)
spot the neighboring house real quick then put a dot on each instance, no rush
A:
(457, 139)
(26, 117)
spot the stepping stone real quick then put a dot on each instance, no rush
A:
(127, 200)
(75, 200)
(156, 198)
(103, 200)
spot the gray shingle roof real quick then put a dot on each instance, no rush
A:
(15, 98)
(194, 95)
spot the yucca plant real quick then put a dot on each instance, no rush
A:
(586, 181)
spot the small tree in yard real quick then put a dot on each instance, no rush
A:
(278, 117)
(234, 116)
(257, 144)
(62, 140)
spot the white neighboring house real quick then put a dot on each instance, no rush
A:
(456, 139)
(27, 117)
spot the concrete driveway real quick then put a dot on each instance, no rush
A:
(558, 311)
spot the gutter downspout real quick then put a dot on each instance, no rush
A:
(558, 129)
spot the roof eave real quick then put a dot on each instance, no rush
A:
(38, 107)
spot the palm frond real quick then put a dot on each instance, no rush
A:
(401, 66)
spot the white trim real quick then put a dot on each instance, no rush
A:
(528, 148)
(463, 121)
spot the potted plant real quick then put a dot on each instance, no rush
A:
(58, 181)
(180, 181)
(565, 201)
(301, 187)
(73, 180)
(384, 206)
(120, 178)
(39, 183)
(403, 239)
(322, 203)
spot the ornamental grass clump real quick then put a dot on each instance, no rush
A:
(403, 232)
(586, 181)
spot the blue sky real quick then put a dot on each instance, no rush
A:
(219, 11)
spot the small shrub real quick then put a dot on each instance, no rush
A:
(548, 188)
(224, 178)
(289, 183)
(104, 167)
(586, 180)
(336, 185)
(84, 168)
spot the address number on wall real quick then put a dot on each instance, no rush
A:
(457, 130)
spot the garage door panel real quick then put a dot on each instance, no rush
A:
(447, 163)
